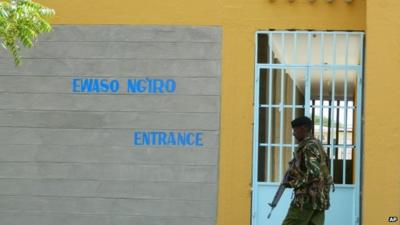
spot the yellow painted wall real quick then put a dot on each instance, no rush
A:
(240, 19)
(382, 110)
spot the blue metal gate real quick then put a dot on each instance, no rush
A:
(317, 74)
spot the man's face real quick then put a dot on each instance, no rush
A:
(299, 132)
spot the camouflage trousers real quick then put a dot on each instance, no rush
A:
(297, 216)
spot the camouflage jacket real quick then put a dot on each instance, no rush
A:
(309, 176)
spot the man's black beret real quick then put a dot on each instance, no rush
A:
(302, 120)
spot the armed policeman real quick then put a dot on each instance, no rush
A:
(309, 176)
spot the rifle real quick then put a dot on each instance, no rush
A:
(280, 190)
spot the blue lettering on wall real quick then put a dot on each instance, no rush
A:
(151, 86)
(94, 85)
(199, 139)
(170, 85)
(75, 85)
(167, 138)
(137, 139)
(137, 85)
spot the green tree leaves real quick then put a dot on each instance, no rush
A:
(21, 21)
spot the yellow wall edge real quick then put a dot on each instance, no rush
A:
(382, 122)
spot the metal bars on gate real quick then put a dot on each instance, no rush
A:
(312, 73)
(324, 70)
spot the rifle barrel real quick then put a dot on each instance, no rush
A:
(270, 212)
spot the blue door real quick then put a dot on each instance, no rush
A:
(317, 74)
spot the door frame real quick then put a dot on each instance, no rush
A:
(359, 124)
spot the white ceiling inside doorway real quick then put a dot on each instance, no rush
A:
(338, 52)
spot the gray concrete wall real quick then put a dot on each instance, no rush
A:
(68, 158)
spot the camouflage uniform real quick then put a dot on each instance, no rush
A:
(309, 176)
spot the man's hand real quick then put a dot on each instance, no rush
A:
(286, 184)
(292, 177)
